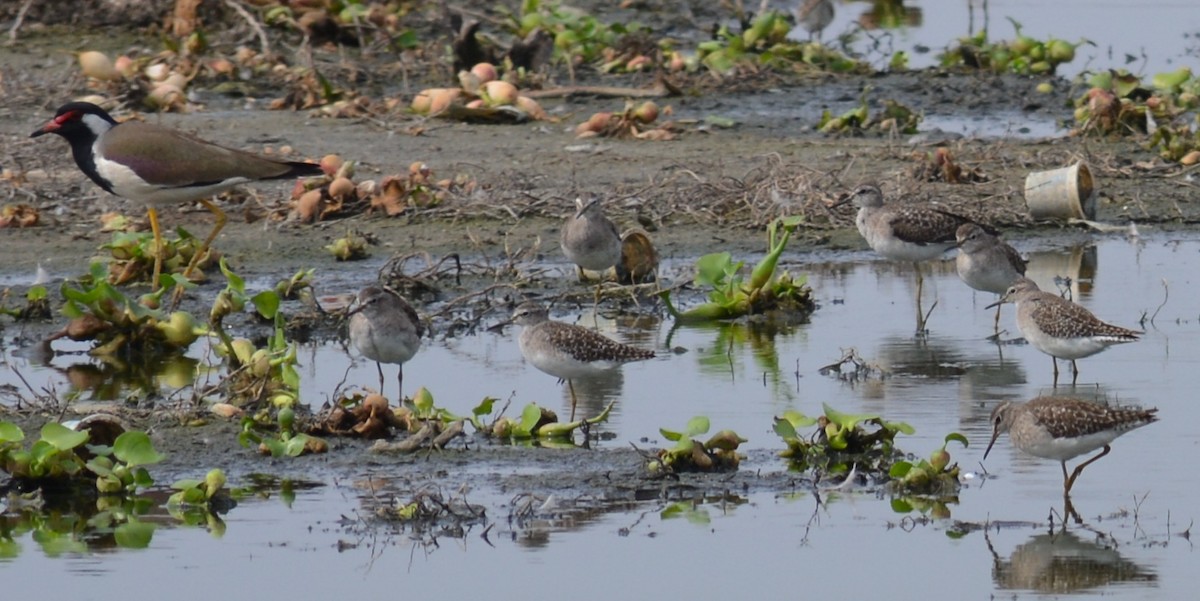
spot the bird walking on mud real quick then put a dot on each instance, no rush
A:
(158, 166)
(385, 329)
(591, 241)
(1061, 429)
(568, 351)
(1059, 327)
(987, 263)
(904, 232)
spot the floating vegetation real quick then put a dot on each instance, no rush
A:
(935, 476)
(840, 440)
(765, 44)
(730, 296)
(1023, 55)
(717, 454)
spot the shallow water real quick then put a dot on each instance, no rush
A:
(1143, 37)
(945, 381)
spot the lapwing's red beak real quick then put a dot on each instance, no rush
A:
(48, 128)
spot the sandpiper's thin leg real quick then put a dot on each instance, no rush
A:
(379, 366)
(571, 387)
(1074, 372)
(1055, 362)
(1079, 468)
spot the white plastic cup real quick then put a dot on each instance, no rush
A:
(1061, 194)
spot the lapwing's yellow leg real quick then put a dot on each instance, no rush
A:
(221, 219)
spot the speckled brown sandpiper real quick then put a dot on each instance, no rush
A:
(1059, 327)
(987, 263)
(904, 231)
(1061, 428)
(568, 351)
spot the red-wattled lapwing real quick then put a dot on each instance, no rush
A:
(159, 166)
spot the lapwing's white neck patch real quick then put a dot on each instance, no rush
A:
(96, 124)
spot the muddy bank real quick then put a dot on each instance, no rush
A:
(713, 188)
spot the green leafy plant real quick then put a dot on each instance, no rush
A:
(1023, 55)
(730, 296)
(198, 493)
(578, 36)
(132, 256)
(52, 456)
(933, 476)
(283, 441)
(840, 439)
(718, 453)
(121, 327)
(37, 304)
(895, 117)
(119, 468)
(765, 43)
(256, 374)
(198, 502)
(539, 423)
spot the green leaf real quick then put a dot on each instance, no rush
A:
(141, 478)
(696, 426)
(484, 407)
(958, 437)
(235, 281)
(62, 437)
(901, 506)
(267, 303)
(711, 269)
(899, 469)
(101, 466)
(785, 429)
(134, 534)
(530, 416)
(901, 427)
(407, 40)
(186, 484)
(10, 432)
(846, 420)
(670, 434)
(294, 447)
(799, 420)
(135, 448)
(684, 446)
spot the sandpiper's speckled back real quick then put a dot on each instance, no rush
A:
(985, 262)
(1062, 428)
(904, 232)
(1059, 327)
(589, 239)
(566, 350)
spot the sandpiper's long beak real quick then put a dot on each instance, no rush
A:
(995, 435)
(496, 327)
(1003, 299)
(843, 199)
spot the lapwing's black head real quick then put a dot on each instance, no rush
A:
(81, 121)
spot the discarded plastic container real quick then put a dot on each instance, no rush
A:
(1061, 194)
